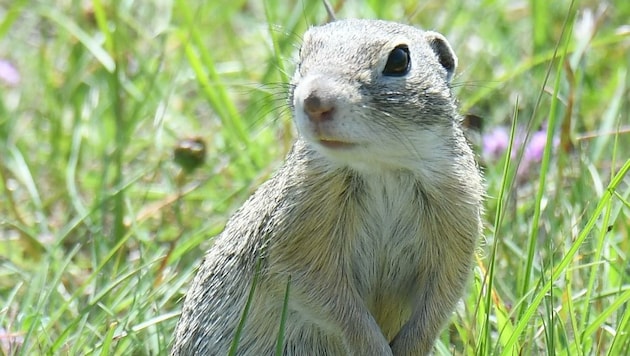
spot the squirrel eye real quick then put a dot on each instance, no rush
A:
(398, 62)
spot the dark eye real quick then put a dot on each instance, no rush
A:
(398, 62)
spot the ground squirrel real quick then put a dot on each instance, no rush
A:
(374, 216)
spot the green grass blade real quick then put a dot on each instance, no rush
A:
(250, 297)
(567, 258)
(90, 43)
(283, 319)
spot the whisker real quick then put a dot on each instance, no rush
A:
(391, 127)
(475, 84)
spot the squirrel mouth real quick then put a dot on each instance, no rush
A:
(333, 144)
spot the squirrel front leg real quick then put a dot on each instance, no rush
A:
(437, 300)
(333, 304)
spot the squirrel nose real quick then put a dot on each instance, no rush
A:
(318, 109)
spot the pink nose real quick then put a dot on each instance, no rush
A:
(318, 109)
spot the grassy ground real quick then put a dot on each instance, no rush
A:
(100, 229)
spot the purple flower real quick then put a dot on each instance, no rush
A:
(535, 147)
(10, 342)
(8, 73)
(495, 144)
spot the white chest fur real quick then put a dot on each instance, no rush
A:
(388, 251)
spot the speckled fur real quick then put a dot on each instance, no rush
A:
(378, 240)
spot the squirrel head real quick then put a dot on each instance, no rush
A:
(375, 94)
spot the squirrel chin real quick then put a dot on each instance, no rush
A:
(336, 145)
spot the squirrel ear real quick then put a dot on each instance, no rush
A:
(443, 51)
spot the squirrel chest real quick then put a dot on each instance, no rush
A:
(387, 250)
(369, 233)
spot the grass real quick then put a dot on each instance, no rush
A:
(101, 231)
